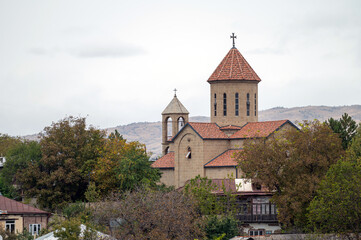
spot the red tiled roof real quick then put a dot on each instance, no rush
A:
(230, 127)
(234, 67)
(208, 130)
(258, 129)
(224, 160)
(167, 161)
(14, 207)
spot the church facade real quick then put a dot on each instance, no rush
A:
(207, 149)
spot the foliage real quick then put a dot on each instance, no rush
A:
(74, 210)
(201, 190)
(354, 150)
(123, 166)
(292, 163)
(18, 158)
(345, 127)
(221, 226)
(71, 229)
(69, 152)
(25, 235)
(92, 194)
(145, 214)
(8, 190)
(7, 142)
(337, 206)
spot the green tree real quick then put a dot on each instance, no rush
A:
(7, 142)
(354, 150)
(337, 205)
(292, 164)
(345, 127)
(123, 166)
(221, 227)
(69, 153)
(18, 158)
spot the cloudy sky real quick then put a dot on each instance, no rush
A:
(117, 62)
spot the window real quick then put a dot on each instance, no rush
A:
(169, 128)
(10, 226)
(215, 104)
(189, 153)
(166, 151)
(256, 232)
(181, 123)
(224, 104)
(248, 103)
(255, 104)
(34, 229)
(236, 103)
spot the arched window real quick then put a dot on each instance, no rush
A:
(166, 151)
(169, 128)
(189, 153)
(255, 104)
(236, 103)
(248, 104)
(180, 123)
(224, 104)
(215, 104)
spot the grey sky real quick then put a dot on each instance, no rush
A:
(118, 61)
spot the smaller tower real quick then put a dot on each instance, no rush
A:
(174, 117)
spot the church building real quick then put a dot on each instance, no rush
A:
(207, 149)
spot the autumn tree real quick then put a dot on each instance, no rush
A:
(7, 142)
(123, 166)
(146, 214)
(345, 127)
(292, 165)
(69, 152)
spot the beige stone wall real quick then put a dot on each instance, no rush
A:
(184, 168)
(237, 143)
(231, 88)
(18, 222)
(167, 177)
(220, 172)
(212, 148)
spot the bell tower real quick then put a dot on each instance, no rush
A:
(234, 90)
(174, 117)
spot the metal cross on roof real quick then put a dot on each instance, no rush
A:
(233, 36)
(175, 92)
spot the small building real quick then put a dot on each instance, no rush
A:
(16, 216)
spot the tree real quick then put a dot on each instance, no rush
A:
(123, 166)
(69, 153)
(292, 165)
(146, 214)
(353, 152)
(337, 205)
(345, 127)
(6, 142)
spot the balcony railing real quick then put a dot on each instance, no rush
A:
(257, 212)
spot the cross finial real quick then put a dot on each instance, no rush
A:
(175, 92)
(233, 36)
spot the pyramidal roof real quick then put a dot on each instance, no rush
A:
(234, 67)
(175, 106)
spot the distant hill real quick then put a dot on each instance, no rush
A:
(149, 133)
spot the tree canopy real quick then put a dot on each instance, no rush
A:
(123, 166)
(293, 164)
(345, 127)
(69, 151)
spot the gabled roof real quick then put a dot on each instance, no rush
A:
(208, 130)
(234, 67)
(10, 206)
(259, 129)
(225, 159)
(175, 106)
(167, 161)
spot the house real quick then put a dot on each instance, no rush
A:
(207, 149)
(16, 216)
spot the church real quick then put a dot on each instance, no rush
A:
(207, 149)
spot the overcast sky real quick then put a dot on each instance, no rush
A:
(117, 62)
